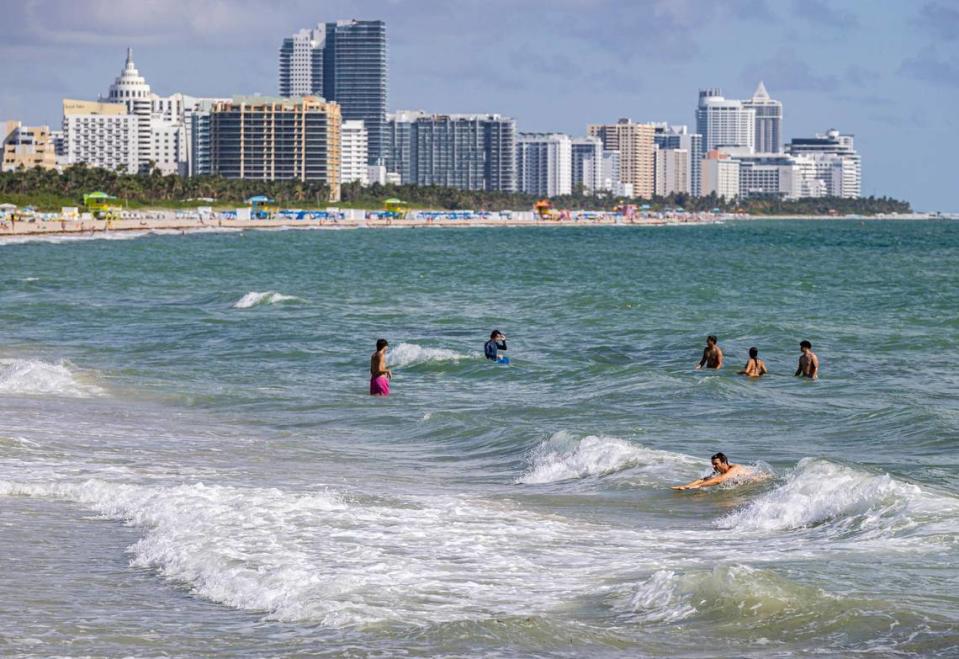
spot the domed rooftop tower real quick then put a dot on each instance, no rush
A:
(131, 89)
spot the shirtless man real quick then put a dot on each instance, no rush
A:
(722, 471)
(712, 354)
(380, 374)
(755, 367)
(808, 362)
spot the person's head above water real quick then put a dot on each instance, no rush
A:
(753, 353)
(381, 343)
(495, 334)
(720, 462)
(711, 340)
(805, 345)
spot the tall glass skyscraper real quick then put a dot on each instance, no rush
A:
(344, 62)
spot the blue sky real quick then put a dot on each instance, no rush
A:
(884, 70)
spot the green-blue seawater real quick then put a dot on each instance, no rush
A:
(190, 462)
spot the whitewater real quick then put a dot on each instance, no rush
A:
(190, 463)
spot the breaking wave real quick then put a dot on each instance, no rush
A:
(843, 499)
(254, 298)
(409, 354)
(342, 560)
(34, 377)
(564, 457)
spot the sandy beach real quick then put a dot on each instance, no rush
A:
(169, 221)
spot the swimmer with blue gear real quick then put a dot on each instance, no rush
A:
(497, 342)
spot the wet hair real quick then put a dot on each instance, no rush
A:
(381, 343)
(753, 353)
(721, 457)
(712, 338)
(805, 344)
(493, 334)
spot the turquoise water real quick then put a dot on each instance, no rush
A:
(189, 462)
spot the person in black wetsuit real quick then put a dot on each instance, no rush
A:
(497, 342)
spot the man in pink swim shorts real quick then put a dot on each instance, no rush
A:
(380, 375)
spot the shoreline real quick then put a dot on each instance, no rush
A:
(91, 227)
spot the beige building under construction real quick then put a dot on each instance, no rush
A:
(277, 139)
(634, 142)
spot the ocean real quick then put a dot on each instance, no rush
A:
(190, 463)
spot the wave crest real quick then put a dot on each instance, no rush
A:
(255, 298)
(846, 499)
(409, 354)
(564, 457)
(35, 377)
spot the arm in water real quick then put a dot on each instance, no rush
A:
(722, 471)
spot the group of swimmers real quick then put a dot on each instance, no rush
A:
(713, 358)
(756, 367)
(380, 376)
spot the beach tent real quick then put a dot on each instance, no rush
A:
(645, 207)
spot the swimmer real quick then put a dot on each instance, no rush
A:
(497, 342)
(808, 362)
(722, 471)
(380, 374)
(712, 354)
(755, 367)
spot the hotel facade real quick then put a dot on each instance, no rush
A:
(277, 139)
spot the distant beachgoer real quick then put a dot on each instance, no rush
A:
(712, 354)
(722, 471)
(808, 361)
(497, 342)
(380, 374)
(755, 367)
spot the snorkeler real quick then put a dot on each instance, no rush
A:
(754, 367)
(722, 471)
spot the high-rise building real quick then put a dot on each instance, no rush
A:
(345, 62)
(100, 135)
(544, 164)
(767, 133)
(679, 137)
(635, 145)
(587, 164)
(353, 160)
(836, 161)
(720, 175)
(774, 175)
(467, 151)
(301, 63)
(672, 171)
(26, 146)
(277, 139)
(132, 90)
(724, 122)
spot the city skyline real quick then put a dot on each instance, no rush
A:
(812, 57)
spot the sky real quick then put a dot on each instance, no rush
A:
(886, 71)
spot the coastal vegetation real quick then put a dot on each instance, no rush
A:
(51, 190)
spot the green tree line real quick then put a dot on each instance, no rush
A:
(49, 189)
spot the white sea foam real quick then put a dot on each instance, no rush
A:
(408, 354)
(35, 377)
(846, 499)
(254, 298)
(565, 457)
(729, 591)
(72, 238)
(343, 561)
